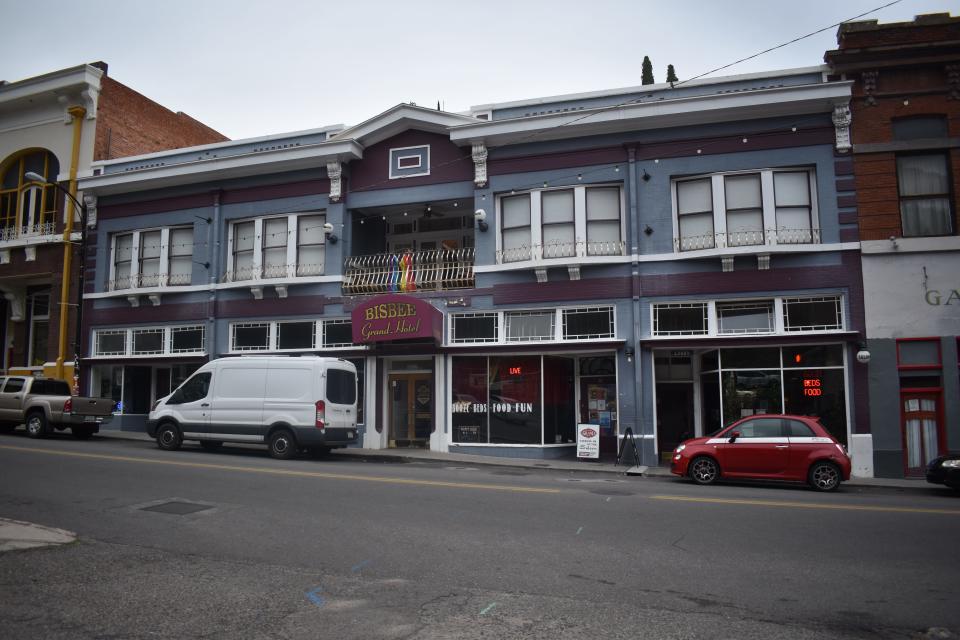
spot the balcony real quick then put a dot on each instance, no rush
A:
(747, 239)
(23, 233)
(150, 280)
(273, 272)
(561, 250)
(430, 270)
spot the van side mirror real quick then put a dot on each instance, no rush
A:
(734, 436)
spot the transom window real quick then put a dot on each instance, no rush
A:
(27, 207)
(152, 258)
(746, 209)
(561, 223)
(541, 325)
(181, 339)
(291, 335)
(924, 183)
(277, 247)
(777, 315)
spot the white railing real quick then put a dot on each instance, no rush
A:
(438, 270)
(559, 250)
(747, 239)
(272, 272)
(149, 281)
(16, 233)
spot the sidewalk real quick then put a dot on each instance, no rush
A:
(16, 535)
(468, 460)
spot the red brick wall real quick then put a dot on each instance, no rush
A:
(129, 123)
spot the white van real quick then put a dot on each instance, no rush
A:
(287, 402)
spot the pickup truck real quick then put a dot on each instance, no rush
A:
(44, 405)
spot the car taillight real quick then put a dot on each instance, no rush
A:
(321, 414)
(68, 406)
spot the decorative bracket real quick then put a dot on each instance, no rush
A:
(17, 302)
(335, 174)
(480, 164)
(257, 293)
(574, 271)
(869, 81)
(30, 253)
(727, 263)
(281, 290)
(91, 203)
(763, 262)
(134, 301)
(154, 299)
(953, 81)
(841, 124)
(541, 275)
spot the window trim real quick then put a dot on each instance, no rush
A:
(948, 195)
(167, 341)
(163, 275)
(273, 336)
(257, 268)
(390, 159)
(558, 326)
(921, 367)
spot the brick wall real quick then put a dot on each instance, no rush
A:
(129, 123)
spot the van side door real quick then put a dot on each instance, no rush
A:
(190, 404)
(238, 401)
(340, 390)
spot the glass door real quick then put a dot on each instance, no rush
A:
(411, 409)
(921, 430)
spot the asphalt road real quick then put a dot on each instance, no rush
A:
(316, 548)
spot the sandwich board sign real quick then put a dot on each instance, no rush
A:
(588, 441)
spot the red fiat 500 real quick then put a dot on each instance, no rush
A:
(766, 447)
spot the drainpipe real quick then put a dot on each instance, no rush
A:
(77, 113)
(635, 290)
(213, 271)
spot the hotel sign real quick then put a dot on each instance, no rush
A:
(395, 317)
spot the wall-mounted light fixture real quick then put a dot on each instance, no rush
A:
(328, 232)
(629, 353)
(648, 230)
(481, 217)
(863, 355)
(646, 176)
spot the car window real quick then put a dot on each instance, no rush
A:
(196, 388)
(798, 429)
(50, 388)
(760, 428)
(341, 386)
(13, 385)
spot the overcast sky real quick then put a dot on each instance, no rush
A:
(251, 68)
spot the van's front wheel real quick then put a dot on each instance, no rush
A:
(283, 446)
(168, 437)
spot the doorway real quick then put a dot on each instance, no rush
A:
(674, 416)
(411, 409)
(921, 430)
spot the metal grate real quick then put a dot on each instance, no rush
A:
(178, 508)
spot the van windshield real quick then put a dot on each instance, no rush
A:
(341, 386)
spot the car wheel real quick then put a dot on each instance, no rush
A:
(704, 470)
(824, 476)
(168, 437)
(211, 445)
(282, 445)
(82, 433)
(37, 425)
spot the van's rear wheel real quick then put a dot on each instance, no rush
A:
(37, 425)
(283, 446)
(168, 437)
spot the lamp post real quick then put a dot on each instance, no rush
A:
(67, 260)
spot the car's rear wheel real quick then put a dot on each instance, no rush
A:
(824, 476)
(282, 445)
(704, 470)
(37, 425)
(211, 445)
(168, 437)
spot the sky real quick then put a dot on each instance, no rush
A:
(250, 68)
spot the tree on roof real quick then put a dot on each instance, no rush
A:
(647, 71)
(671, 74)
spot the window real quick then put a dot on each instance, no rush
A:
(341, 386)
(760, 428)
(14, 385)
(39, 327)
(924, 183)
(28, 208)
(408, 162)
(797, 429)
(746, 209)
(476, 327)
(561, 223)
(812, 314)
(149, 341)
(919, 127)
(745, 317)
(919, 353)
(50, 388)
(253, 336)
(194, 389)
(337, 333)
(588, 324)
(296, 335)
(268, 247)
(523, 326)
(152, 258)
(680, 319)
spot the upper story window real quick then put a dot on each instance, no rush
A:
(181, 339)
(297, 335)
(925, 201)
(752, 317)
(26, 207)
(408, 162)
(561, 223)
(151, 258)
(746, 209)
(540, 325)
(284, 246)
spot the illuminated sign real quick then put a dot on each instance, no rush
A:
(516, 371)
(812, 387)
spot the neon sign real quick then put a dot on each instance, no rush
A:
(516, 371)
(812, 387)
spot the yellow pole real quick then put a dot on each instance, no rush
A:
(78, 113)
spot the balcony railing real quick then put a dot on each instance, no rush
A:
(272, 272)
(747, 239)
(438, 270)
(147, 281)
(555, 250)
(17, 233)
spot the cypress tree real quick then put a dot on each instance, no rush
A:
(671, 74)
(647, 75)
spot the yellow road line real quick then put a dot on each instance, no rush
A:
(284, 472)
(808, 505)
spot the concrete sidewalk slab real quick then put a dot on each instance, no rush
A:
(17, 535)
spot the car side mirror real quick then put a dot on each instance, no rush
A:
(734, 436)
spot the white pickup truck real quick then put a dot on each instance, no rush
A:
(44, 405)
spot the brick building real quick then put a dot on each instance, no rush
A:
(55, 125)
(905, 129)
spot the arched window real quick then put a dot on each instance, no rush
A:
(28, 207)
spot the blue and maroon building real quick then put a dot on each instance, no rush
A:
(663, 259)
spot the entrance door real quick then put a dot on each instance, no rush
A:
(674, 416)
(921, 429)
(411, 409)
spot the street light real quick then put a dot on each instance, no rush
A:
(65, 289)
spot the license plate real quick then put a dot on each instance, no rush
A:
(91, 419)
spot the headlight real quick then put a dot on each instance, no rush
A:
(951, 464)
(680, 448)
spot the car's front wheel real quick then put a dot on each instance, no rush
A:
(824, 476)
(704, 470)
(168, 437)
(282, 445)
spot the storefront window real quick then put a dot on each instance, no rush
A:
(748, 393)
(818, 393)
(470, 407)
(559, 408)
(515, 403)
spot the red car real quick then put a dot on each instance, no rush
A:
(766, 447)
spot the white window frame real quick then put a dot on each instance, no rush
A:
(273, 336)
(164, 273)
(655, 321)
(779, 314)
(292, 266)
(390, 158)
(582, 252)
(557, 336)
(837, 300)
(479, 314)
(166, 341)
(768, 198)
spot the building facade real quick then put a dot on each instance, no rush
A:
(655, 261)
(54, 126)
(906, 149)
